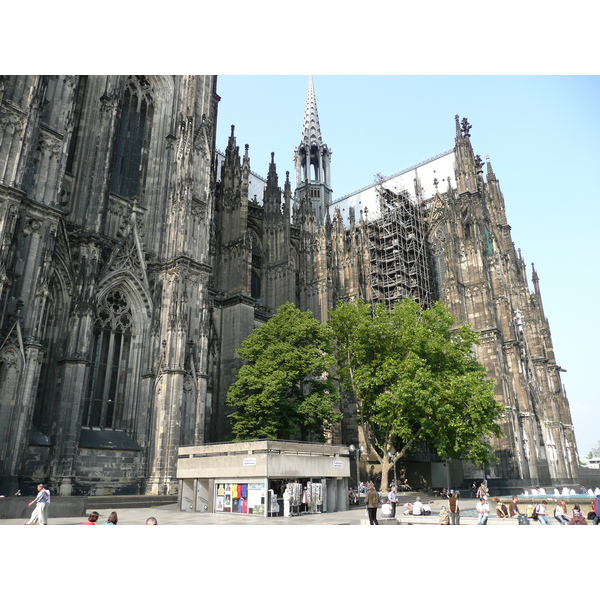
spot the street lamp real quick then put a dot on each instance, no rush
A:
(358, 452)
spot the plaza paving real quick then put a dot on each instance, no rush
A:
(171, 515)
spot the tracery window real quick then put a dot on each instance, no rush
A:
(17, 87)
(77, 119)
(255, 275)
(110, 358)
(133, 138)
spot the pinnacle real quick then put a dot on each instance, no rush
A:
(312, 130)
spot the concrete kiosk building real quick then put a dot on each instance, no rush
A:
(251, 477)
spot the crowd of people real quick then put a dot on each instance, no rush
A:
(450, 514)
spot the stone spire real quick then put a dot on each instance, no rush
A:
(467, 168)
(311, 134)
(312, 159)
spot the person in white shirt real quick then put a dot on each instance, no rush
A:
(483, 509)
(542, 513)
(393, 498)
(417, 506)
(386, 509)
(40, 514)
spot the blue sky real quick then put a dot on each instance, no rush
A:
(543, 137)
(525, 77)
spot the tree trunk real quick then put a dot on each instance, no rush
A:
(386, 465)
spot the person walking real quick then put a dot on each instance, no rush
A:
(454, 508)
(40, 512)
(483, 490)
(372, 501)
(393, 499)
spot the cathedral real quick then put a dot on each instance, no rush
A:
(135, 258)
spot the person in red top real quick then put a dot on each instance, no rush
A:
(92, 518)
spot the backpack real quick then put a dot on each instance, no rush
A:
(534, 514)
(523, 520)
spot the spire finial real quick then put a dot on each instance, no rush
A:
(312, 129)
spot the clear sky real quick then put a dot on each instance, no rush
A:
(543, 137)
(524, 76)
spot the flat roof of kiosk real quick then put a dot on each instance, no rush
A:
(263, 458)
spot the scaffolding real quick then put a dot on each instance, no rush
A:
(398, 256)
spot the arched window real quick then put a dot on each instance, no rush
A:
(17, 88)
(110, 358)
(255, 275)
(255, 284)
(133, 138)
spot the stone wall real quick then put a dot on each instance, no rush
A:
(102, 472)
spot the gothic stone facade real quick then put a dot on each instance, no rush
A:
(133, 263)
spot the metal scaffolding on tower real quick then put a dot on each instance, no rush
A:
(399, 260)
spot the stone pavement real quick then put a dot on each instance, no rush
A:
(170, 515)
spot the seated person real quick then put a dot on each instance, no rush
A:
(417, 507)
(427, 509)
(513, 509)
(386, 509)
(444, 516)
(501, 510)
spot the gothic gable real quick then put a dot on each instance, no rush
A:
(127, 263)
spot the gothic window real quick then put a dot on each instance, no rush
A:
(16, 88)
(11, 367)
(110, 358)
(50, 113)
(133, 138)
(255, 292)
(80, 94)
(255, 276)
(489, 242)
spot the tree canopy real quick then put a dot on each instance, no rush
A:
(415, 377)
(284, 391)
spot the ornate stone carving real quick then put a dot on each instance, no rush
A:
(11, 121)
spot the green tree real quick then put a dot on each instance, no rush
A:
(284, 390)
(414, 377)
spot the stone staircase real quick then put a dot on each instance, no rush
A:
(116, 502)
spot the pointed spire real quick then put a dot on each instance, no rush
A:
(457, 123)
(312, 130)
(490, 172)
(272, 177)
